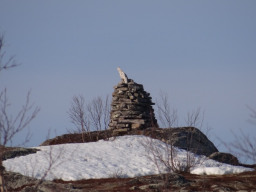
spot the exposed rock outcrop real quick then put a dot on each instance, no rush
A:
(188, 138)
(192, 139)
(17, 182)
(12, 152)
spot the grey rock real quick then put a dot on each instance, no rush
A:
(224, 158)
(18, 151)
(18, 182)
(188, 138)
(191, 139)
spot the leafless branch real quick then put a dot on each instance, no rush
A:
(78, 116)
(91, 116)
(243, 146)
(10, 62)
(166, 117)
(252, 115)
(195, 119)
(165, 157)
(106, 112)
(9, 125)
(54, 159)
(95, 113)
(99, 113)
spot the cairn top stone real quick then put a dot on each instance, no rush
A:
(123, 76)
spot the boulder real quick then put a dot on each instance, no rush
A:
(224, 158)
(191, 139)
(188, 138)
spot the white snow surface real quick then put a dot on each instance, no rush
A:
(124, 156)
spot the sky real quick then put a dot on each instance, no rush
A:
(201, 53)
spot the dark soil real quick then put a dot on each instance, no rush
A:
(173, 182)
(154, 183)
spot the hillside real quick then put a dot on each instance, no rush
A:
(120, 164)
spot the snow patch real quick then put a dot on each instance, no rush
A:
(120, 157)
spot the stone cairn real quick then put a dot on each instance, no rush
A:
(131, 106)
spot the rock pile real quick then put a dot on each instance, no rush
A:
(131, 107)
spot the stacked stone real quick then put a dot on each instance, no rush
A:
(131, 107)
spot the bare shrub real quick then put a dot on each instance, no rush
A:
(99, 113)
(91, 116)
(167, 117)
(195, 118)
(252, 115)
(244, 145)
(43, 164)
(162, 157)
(166, 158)
(11, 125)
(78, 116)
(54, 160)
(10, 62)
(117, 173)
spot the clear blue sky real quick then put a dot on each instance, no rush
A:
(202, 53)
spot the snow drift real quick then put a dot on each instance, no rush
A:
(124, 156)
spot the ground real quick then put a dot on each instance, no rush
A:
(173, 182)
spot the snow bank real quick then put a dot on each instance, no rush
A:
(121, 157)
